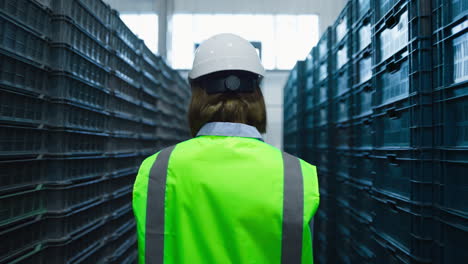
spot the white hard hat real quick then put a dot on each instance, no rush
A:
(225, 52)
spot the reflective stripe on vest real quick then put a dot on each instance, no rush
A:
(293, 210)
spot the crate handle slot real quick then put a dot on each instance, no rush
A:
(391, 22)
(392, 66)
(367, 87)
(392, 159)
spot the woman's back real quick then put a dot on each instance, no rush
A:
(224, 203)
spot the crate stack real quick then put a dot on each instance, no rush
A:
(293, 104)
(450, 82)
(387, 131)
(82, 103)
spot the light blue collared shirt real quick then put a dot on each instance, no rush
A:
(229, 130)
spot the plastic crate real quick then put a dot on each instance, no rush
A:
(28, 13)
(322, 92)
(71, 116)
(20, 74)
(125, 108)
(404, 174)
(404, 127)
(71, 169)
(73, 143)
(363, 100)
(344, 159)
(18, 141)
(362, 36)
(65, 86)
(121, 143)
(343, 81)
(324, 45)
(149, 57)
(150, 86)
(91, 16)
(392, 40)
(65, 31)
(151, 145)
(342, 54)
(72, 250)
(357, 199)
(386, 6)
(125, 126)
(447, 12)
(21, 205)
(150, 116)
(18, 108)
(363, 133)
(324, 71)
(342, 108)
(123, 88)
(451, 231)
(19, 174)
(451, 116)
(67, 60)
(322, 115)
(122, 50)
(450, 56)
(124, 164)
(342, 24)
(363, 68)
(450, 168)
(123, 32)
(363, 169)
(411, 239)
(23, 41)
(360, 9)
(342, 135)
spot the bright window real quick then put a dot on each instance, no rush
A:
(284, 38)
(145, 26)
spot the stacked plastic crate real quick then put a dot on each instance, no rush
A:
(322, 103)
(402, 121)
(79, 112)
(310, 78)
(450, 82)
(293, 94)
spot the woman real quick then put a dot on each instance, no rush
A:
(225, 196)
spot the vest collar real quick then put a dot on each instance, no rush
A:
(229, 130)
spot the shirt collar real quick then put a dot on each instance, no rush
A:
(229, 130)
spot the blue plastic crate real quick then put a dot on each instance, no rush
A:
(392, 40)
(90, 16)
(393, 84)
(124, 70)
(451, 231)
(445, 12)
(404, 127)
(67, 87)
(131, 109)
(23, 41)
(65, 31)
(342, 108)
(125, 126)
(362, 36)
(343, 159)
(363, 100)
(343, 82)
(450, 56)
(123, 32)
(70, 116)
(322, 92)
(404, 174)
(342, 24)
(324, 45)
(75, 143)
(21, 174)
(451, 117)
(16, 141)
(67, 60)
(20, 74)
(450, 168)
(309, 101)
(124, 51)
(342, 136)
(124, 89)
(322, 115)
(363, 133)
(383, 7)
(360, 9)
(412, 238)
(21, 205)
(28, 13)
(22, 109)
(363, 169)
(342, 54)
(363, 68)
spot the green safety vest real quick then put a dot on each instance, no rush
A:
(225, 199)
